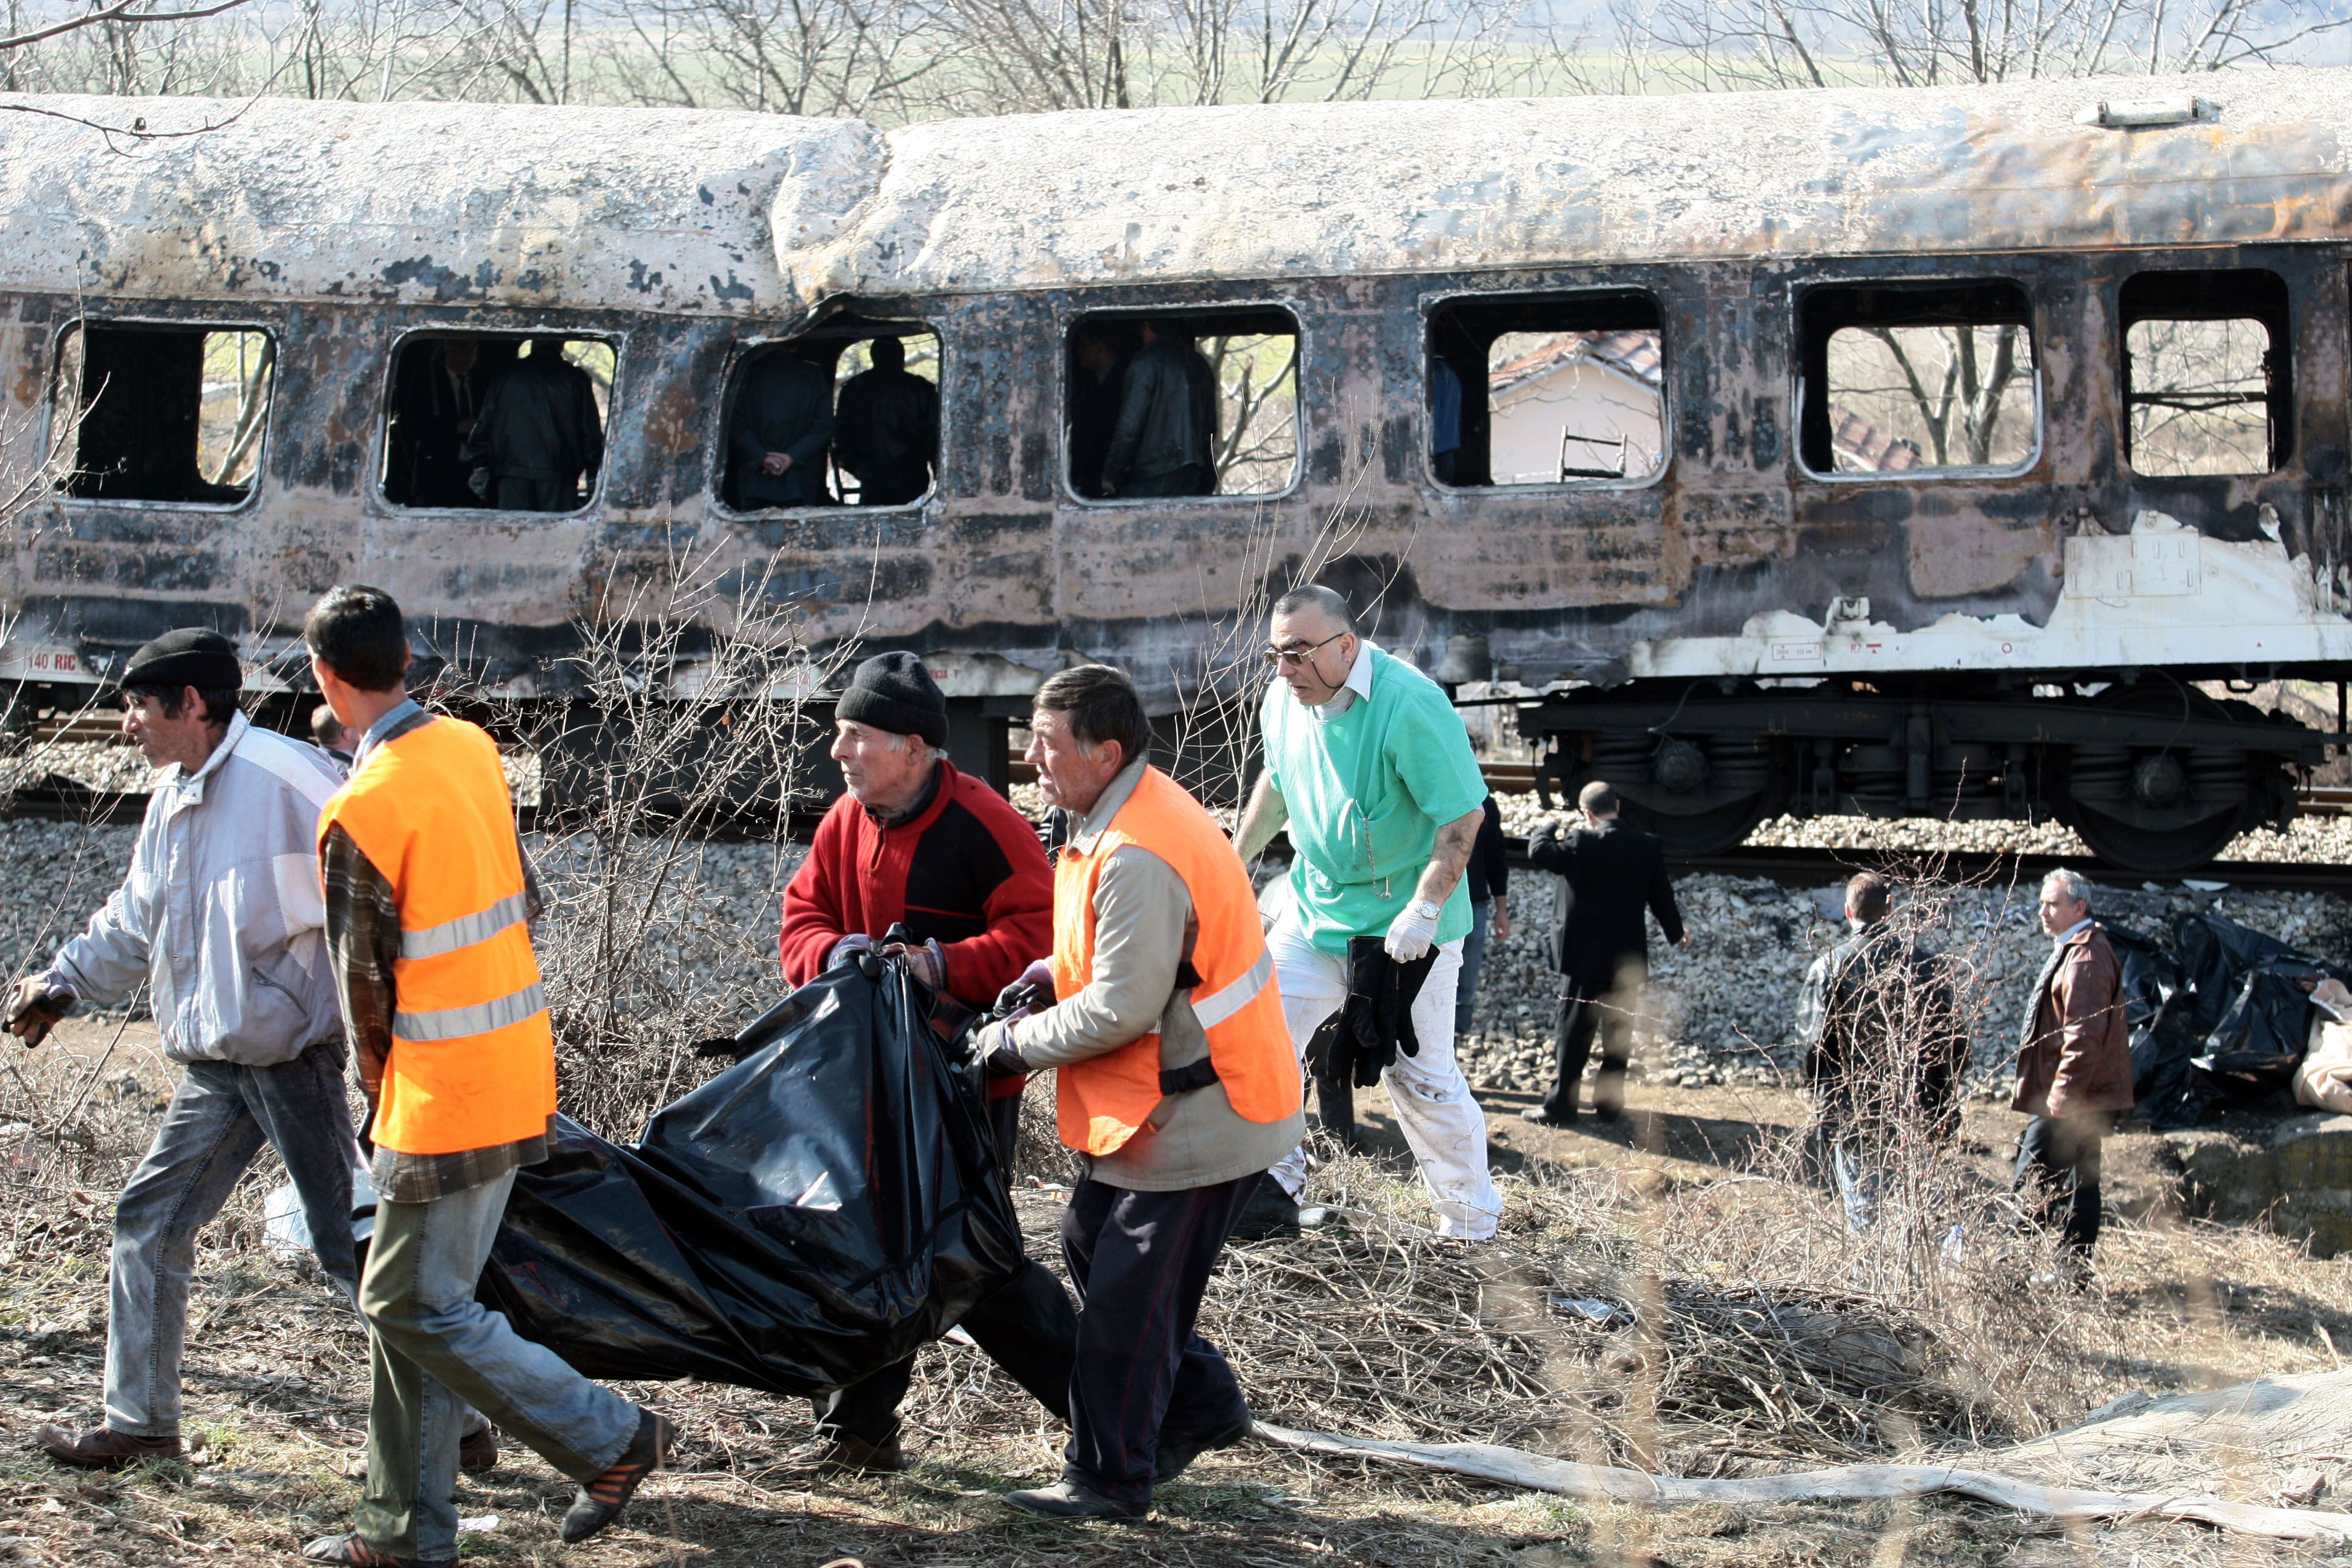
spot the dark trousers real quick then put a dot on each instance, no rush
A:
(513, 492)
(893, 487)
(1027, 1327)
(1586, 1006)
(1141, 1263)
(1191, 479)
(2058, 1170)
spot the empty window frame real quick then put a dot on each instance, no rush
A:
(1914, 378)
(1182, 402)
(497, 421)
(1574, 390)
(162, 413)
(2205, 372)
(846, 414)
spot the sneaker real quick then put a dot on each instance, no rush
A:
(599, 1503)
(1067, 1500)
(846, 1453)
(102, 1447)
(1179, 1449)
(354, 1552)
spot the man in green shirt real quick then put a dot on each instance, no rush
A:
(1370, 767)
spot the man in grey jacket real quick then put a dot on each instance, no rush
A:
(220, 918)
(1176, 1083)
(1164, 441)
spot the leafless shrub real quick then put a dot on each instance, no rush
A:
(683, 724)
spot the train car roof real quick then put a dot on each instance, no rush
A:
(510, 204)
(673, 210)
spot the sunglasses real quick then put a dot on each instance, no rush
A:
(1295, 657)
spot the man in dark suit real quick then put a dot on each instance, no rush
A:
(783, 429)
(1606, 872)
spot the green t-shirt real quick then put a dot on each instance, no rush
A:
(1367, 792)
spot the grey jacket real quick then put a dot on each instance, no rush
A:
(1167, 414)
(1144, 928)
(222, 911)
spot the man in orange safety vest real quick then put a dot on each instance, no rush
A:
(1174, 1078)
(428, 901)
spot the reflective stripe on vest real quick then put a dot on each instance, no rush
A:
(472, 1063)
(1101, 1102)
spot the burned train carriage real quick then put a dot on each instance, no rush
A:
(1916, 452)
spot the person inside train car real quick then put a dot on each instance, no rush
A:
(1489, 877)
(427, 898)
(1164, 442)
(1098, 371)
(1444, 419)
(1370, 767)
(915, 842)
(436, 404)
(219, 918)
(885, 428)
(1605, 873)
(2073, 1067)
(1884, 1043)
(1172, 1081)
(538, 434)
(781, 431)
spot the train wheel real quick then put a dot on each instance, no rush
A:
(2158, 811)
(1707, 832)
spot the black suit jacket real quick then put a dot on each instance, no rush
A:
(1604, 877)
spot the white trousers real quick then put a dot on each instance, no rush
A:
(1433, 1106)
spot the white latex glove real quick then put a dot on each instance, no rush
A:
(1413, 931)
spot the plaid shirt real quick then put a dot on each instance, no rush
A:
(362, 939)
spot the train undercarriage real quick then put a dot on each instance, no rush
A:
(2156, 775)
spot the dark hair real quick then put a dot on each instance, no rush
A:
(355, 631)
(1100, 704)
(1597, 798)
(1327, 600)
(219, 703)
(325, 728)
(888, 354)
(1867, 897)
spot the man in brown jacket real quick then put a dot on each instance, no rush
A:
(2074, 1064)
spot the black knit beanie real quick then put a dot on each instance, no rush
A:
(192, 655)
(893, 691)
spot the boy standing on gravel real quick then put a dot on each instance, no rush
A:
(220, 917)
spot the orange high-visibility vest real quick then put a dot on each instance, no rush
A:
(1101, 1102)
(473, 1058)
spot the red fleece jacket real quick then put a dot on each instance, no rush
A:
(965, 869)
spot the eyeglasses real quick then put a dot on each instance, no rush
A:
(1295, 657)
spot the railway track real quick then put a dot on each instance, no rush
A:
(61, 800)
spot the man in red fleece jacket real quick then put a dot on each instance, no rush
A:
(915, 842)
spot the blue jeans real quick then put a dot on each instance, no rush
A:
(218, 1120)
(1474, 959)
(432, 1349)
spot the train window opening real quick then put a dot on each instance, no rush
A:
(1574, 390)
(1910, 378)
(497, 421)
(846, 415)
(164, 413)
(1182, 402)
(2205, 372)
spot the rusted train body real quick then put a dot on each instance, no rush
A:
(1761, 622)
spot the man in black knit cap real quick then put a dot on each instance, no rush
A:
(915, 842)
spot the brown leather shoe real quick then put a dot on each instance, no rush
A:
(847, 1454)
(103, 1449)
(478, 1450)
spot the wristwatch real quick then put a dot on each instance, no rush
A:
(1425, 910)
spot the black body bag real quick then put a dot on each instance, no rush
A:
(822, 1209)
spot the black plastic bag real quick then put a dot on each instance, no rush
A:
(815, 1212)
